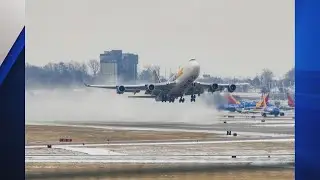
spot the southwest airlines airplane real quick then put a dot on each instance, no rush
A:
(263, 106)
(291, 103)
(241, 106)
(183, 83)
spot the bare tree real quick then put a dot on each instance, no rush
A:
(266, 80)
(94, 66)
(289, 78)
(266, 76)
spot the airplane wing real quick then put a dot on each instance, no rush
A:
(114, 86)
(135, 87)
(212, 87)
(142, 97)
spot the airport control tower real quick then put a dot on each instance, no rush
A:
(118, 67)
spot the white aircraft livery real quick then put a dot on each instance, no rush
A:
(183, 83)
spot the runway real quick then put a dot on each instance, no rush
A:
(244, 127)
(172, 142)
(249, 160)
(250, 147)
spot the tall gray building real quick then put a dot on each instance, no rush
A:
(128, 67)
(117, 67)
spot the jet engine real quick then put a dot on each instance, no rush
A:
(213, 87)
(121, 89)
(231, 88)
(150, 87)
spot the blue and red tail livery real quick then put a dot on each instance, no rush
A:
(291, 101)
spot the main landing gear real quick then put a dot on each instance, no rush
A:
(193, 98)
(181, 100)
(169, 99)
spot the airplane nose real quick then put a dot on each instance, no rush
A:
(197, 67)
(195, 64)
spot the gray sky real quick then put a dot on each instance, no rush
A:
(227, 37)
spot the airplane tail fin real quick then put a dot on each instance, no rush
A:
(263, 102)
(176, 75)
(291, 102)
(266, 99)
(231, 99)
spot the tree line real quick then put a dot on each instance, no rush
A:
(73, 74)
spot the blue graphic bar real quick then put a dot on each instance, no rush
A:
(307, 56)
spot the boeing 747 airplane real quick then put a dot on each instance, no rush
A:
(183, 83)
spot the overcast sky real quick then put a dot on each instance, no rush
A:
(227, 37)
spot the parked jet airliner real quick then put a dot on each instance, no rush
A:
(183, 83)
(241, 106)
(263, 107)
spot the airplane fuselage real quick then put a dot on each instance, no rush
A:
(271, 110)
(185, 79)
